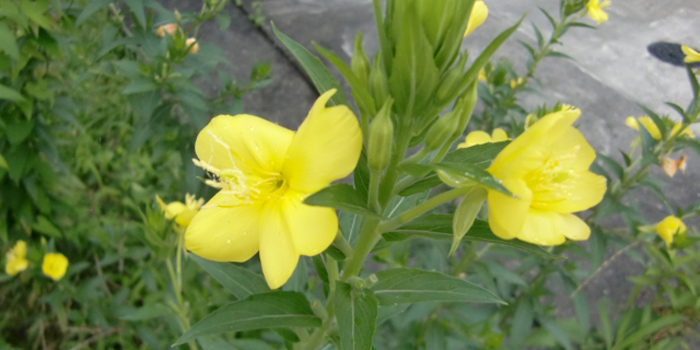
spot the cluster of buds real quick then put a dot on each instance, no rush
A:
(174, 31)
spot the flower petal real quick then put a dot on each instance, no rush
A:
(325, 148)
(222, 231)
(543, 228)
(312, 229)
(582, 190)
(507, 214)
(474, 138)
(477, 17)
(574, 228)
(278, 255)
(243, 142)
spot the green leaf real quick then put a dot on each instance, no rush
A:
(428, 183)
(465, 215)
(320, 75)
(606, 330)
(611, 164)
(439, 226)
(136, 7)
(223, 20)
(522, 323)
(277, 309)
(340, 196)
(401, 286)
(556, 332)
(90, 9)
(474, 173)
(648, 143)
(36, 11)
(647, 330)
(8, 42)
(479, 155)
(9, 94)
(146, 312)
(238, 280)
(140, 85)
(45, 226)
(3, 162)
(356, 312)
(18, 131)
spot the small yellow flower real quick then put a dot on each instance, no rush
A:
(478, 16)
(264, 173)
(171, 29)
(182, 213)
(691, 56)
(55, 265)
(546, 168)
(192, 44)
(481, 137)
(595, 10)
(16, 261)
(482, 75)
(514, 82)
(669, 227)
(653, 130)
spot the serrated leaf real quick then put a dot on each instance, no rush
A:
(402, 286)
(356, 312)
(238, 280)
(340, 196)
(319, 74)
(271, 310)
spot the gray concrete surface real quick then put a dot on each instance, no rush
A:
(612, 74)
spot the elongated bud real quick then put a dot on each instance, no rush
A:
(442, 131)
(381, 136)
(379, 81)
(360, 62)
(452, 80)
(465, 108)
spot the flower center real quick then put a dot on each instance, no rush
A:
(553, 182)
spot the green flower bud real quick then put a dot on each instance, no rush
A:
(360, 62)
(452, 80)
(570, 7)
(442, 131)
(465, 108)
(381, 135)
(379, 81)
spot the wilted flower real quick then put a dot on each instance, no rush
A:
(182, 213)
(481, 137)
(477, 17)
(264, 173)
(595, 10)
(546, 168)
(55, 265)
(669, 227)
(670, 165)
(171, 29)
(691, 56)
(192, 44)
(16, 261)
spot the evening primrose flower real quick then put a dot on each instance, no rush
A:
(669, 227)
(54, 265)
(670, 166)
(182, 213)
(595, 10)
(16, 261)
(192, 44)
(546, 168)
(516, 82)
(477, 17)
(170, 28)
(264, 173)
(653, 130)
(481, 137)
(482, 75)
(691, 56)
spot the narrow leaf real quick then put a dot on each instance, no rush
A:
(8, 42)
(91, 8)
(647, 330)
(356, 312)
(241, 282)
(474, 173)
(340, 196)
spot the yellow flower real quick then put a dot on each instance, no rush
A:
(691, 55)
(477, 16)
(481, 137)
(54, 266)
(514, 82)
(669, 227)
(192, 44)
(182, 213)
(482, 75)
(171, 29)
(653, 130)
(546, 168)
(595, 10)
(16, 261)
(264, 173)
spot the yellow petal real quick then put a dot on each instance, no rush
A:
(686, 132)
(477, 17)
(543, 228)
(474, 138)
(574, 228)
(54, 265)
(651, 127)
(507, 214)
(278, 256)
(581, 190)
(691, 55)
(312, 229)
(669, 227)
(325, 148)
(632, 123)
(595, 11)
(223, 232)
(20, 249)
(15, 266)
(174, 209)
(572, 151)
(499, 135)
(244, 142)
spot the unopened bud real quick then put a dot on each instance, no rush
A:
(192, 44)
(381, 136)
(453, 78)
(465, 108)
(170, 28)
(360, 62)
(178, 16)
(442, 131)
(379, 81)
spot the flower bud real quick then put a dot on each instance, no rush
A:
(381, 135)
(465, 108)
(453, 78)
(192, 44)
(170, 28)
(378, 81)
(477, 17)
(360, 62)
(442, 131)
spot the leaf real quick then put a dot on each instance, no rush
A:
(18, 131)
(605, 322)
(522, 323)
(340, 196)
(465, 215)
(479, 155)
(474, 173)
(9, 94)
(45, 226)
(145, 312)
(428, 183)
(319, 74)
(140, 85)
(238, 280)
(3, 162)
(276, 309)
(611, 164)
(8, 42)
(439, 226)
(90, 9)
(401, 286)
(556, 332)
(647, 330)
(136, 7)
(356, 312)
(223, 20)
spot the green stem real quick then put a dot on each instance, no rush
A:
(369, 235)
(423, 208)
(342, 244)
(374, 181)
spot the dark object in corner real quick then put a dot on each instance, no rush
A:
(669, 53)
